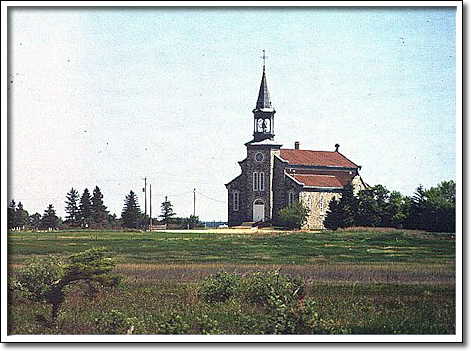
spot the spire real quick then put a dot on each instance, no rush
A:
(264, 113)
(263, 101)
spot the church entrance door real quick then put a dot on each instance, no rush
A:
(258, 210)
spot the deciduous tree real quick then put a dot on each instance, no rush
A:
(294, 216)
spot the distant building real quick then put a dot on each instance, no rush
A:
(272, 177)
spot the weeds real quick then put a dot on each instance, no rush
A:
(404, 284)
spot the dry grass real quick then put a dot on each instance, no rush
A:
(341, 273)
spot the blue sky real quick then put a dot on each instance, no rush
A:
(109, 96)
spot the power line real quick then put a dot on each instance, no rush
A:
(210, 198)
(188, 192)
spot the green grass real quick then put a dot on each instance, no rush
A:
(344, 308)
(363, 282)
(282, 248)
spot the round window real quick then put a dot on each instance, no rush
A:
(259, 157)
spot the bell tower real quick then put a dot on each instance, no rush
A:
(263, 113)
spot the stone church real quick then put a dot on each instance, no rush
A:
(273, 177)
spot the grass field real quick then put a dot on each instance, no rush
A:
(373, 282)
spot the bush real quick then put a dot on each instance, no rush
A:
(47, 278)
(170, 323)
(267, 288)
(34, 280)
(206, 325)
(294, 216)
(218, 288)
(296, 317)
(115, 322)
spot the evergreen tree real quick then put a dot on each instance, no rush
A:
(167, 211)
(99, 212)
(368, 210)
(73, 213)
(349, 206)
(333, 219)
(35, 221)
(417, 214)
(85, 208)
(49, 219)
(131, 214)
(11, 214)
(344, 212)
(21, 217)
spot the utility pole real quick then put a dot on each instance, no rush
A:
(145, 202)
(150, 205)
(165, 212)
(194, 202)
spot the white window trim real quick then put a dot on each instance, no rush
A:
(309, 201)
(255, 181)
(291, 198)
(321, 204)
(235, 201)
(261, 182)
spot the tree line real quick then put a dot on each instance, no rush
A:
(88, 211)
(428, 209)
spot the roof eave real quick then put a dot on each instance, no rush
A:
(308, 166)
(294, 179)
(325, 188)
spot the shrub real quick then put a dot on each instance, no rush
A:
(47, 278)
(206, 325)
(218, 288)
(35, 279)
(294, 216)
(115, 322)
(295, 317)
(170, 323)
(267, 288)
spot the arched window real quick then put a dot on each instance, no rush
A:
(261, 182)
(235, 200)
(255, 181)
(309, 202)
(291, 197)
(321, 204)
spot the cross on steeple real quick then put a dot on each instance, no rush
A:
(263, 57)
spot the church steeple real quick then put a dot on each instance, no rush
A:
(264, 112)
(263, 101)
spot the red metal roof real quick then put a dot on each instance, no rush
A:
(316, 158)
(318, 180)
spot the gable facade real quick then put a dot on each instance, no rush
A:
(272, 178)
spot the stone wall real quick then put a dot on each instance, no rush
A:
(282, 185)
(316, 216)
(358, 184)
(276, 189)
